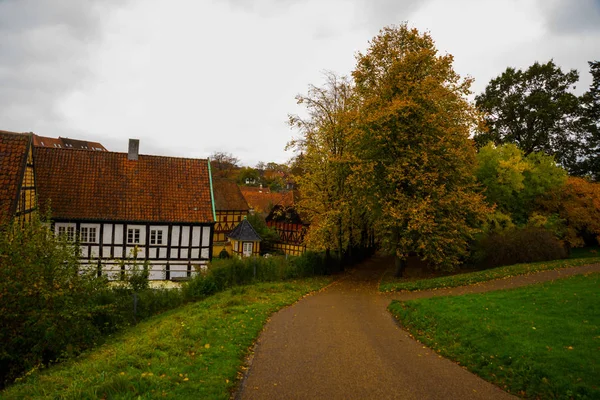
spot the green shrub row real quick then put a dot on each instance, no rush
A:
(51, 311)
(516, 246)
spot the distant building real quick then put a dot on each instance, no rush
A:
(115, 204)
(278, 210)
(231, 209)
(245, 240)
(17, 178)
(66, 143)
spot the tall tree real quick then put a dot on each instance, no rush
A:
(326, 197)
(416, 161)
(535, 110)
(590, 126)
(223, 164)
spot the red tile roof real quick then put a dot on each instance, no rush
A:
(66, 143)
(263, 200)
(228, 196)
(98, 185)
(13, 159)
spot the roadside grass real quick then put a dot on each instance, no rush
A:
(585, 252)
(196, 351)
(541, 341)
(389, 283)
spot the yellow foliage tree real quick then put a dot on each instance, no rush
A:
(326, 198)
(415, 160)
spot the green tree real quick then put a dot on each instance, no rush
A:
(513, 181)
(590, 126)
(416, 162)
(325, 144)
(535, 110)
(248, 176)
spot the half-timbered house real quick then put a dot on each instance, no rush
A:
(123, 205)
(17, 177)
(277, 208)
(231, 208)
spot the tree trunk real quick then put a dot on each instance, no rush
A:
(400, 264)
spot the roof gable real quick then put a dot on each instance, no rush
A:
(228, 196)
(244, 232)
(13, 157)
(98, 185)
(263, 201)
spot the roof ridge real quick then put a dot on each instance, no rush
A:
(104, 153)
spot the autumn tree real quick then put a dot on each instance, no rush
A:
(513, 181)
(223, 165)
(325, 145)
(416, 161)
(578, 205)
(534, 109)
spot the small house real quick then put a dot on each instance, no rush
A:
(244, 240)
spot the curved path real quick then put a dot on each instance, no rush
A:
(342, 343)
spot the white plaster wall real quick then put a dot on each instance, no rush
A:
(175, 236)
(118, 234)
(205, 235)
(107, 235)
(196, 235)
(185, 235)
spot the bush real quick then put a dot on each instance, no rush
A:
(518, 245)
(47, 307)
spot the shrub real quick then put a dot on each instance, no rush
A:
(47, 307)
(518, 245)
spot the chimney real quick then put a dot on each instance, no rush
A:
(134, 149)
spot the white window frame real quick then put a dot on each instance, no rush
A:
(134, 232)
(156, 237)
(247, 251)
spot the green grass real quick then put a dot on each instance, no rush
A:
(196, 351)
(390, 284)
(541, 341)
(585, 252)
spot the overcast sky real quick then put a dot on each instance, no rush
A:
(190, 77)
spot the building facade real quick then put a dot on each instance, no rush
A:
(122, 207)
(17, 178)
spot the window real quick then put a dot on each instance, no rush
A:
(68, 232)
(88, 235)
(156, 236)
(133, 236)
(247, 249)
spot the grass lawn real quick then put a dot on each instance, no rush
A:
(542, 341)
(195, 352)
(390, 284)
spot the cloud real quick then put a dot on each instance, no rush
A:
(44, 48)
(570, 17)
(371, 14)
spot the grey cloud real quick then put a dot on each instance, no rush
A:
(372, 14)
(567, 16)
(377, 14)
(44, 47)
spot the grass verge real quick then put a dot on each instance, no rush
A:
(392, 284)
(195, 351)
(541, 341)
